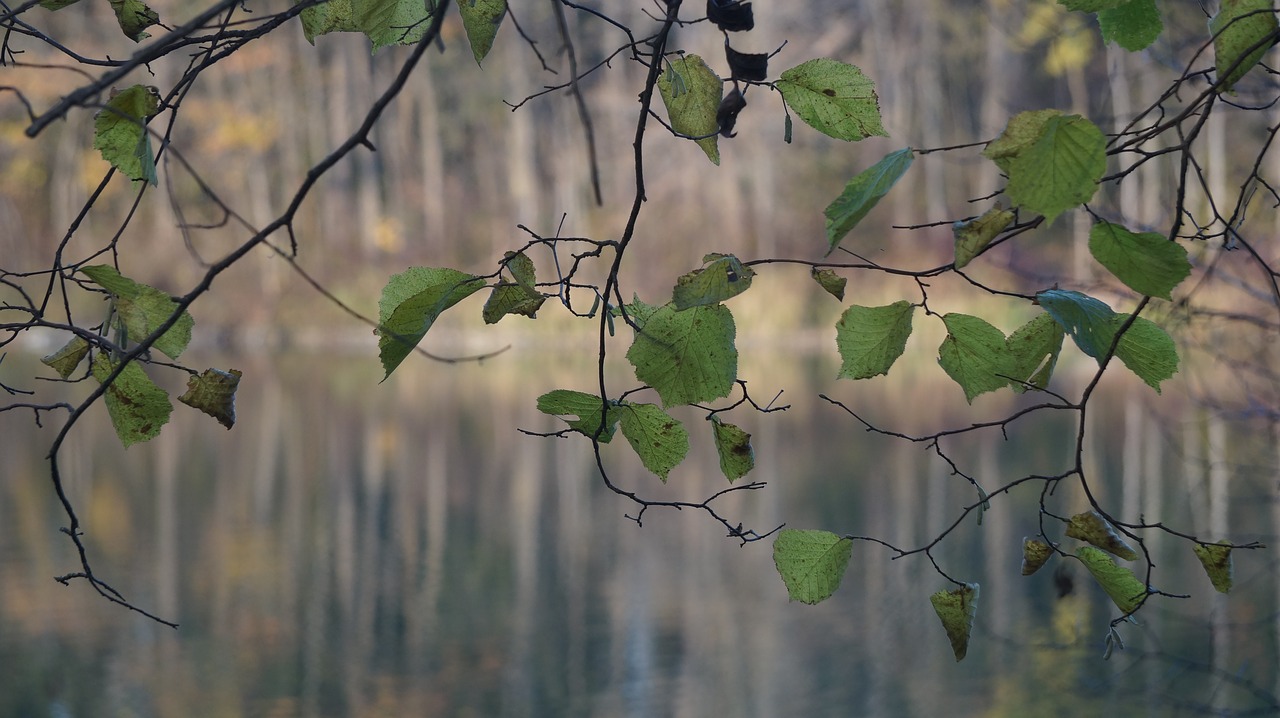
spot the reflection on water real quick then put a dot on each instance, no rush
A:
(355, 549)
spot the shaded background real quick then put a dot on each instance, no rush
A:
(355, 548)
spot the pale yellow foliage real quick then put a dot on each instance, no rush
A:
(1070, 40)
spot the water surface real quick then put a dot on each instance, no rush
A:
(362, 549)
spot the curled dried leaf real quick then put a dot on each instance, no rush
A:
(1092, 528)
(1216, 559)
(1034, 555)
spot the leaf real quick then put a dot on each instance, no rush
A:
(120, 133)
(134, 17)
(65, 360)
(1090, 322)
(728, 110)
(726, 276)
(1020, 134)
(1090, 526)
(521, 267)
(731, 15)
(1239, 26)
(973, 355)
(691, 93)
(737, 458)
(138, 407)
(957, 609)
(1090, 5)
(1061, 170)
(973, 236)
(811, 563)
(833, 283)
(384, 22)
(870, 339)
(1145, 348)
(57, 4)
(863, 192)
(143, 309)
(659, 440)
(834, 98)
(637, 311)
(1147, 351)
(1034, 555)
(1033, 352)
(481, 19)
(1148, 263)
(1216, 559)
(214, 393)
(508, 298)
(587, 407)
(411, 303)
(1133, 25)
(1125, 590)
(747, 65)
(686, 356)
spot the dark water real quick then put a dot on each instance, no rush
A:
(357, 549)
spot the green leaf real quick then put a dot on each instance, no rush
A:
(411, 302)
(956, 609)
(509, 298)
(1061, 170)
(120, 134)
(134, 17)
(522, 297)
(1090, 5)
(143, 309)
(587, 407)
(833, 283)
(1034, 555)
(1090, 322)
(1239, 26)
(1033, 352)
(726, 276)
(863, 192)
(1147, 351)
(327, 17)
(811, 563)
(385, 22)
(1120, 584)
(1148, 263)
(1090, 526)
(521, 267)
(737, 458)
(481, 19)
(1216, 559)
(638, 311)
(973, 236)
(57, 4)
(834, 98)
(138, 407)
(214, 393)
(870, 339)
(973, 355)
(1020, 134)
(65, 360)
(686, 356)
(692, 92)
(659, 440)
(1133, 25)
(1145, 348)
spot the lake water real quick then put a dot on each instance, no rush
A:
(399, 549)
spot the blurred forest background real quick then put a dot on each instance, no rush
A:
(456, 169)
(329, 556)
